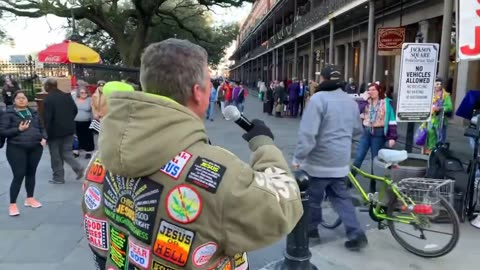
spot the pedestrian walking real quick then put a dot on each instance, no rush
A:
(9, 88)
(327, 127)
(211, 106)
(194, 205)
(59, 114)
(26, 137)
(293, 96)
(83, 119)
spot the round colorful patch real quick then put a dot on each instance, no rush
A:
(92, 198)
(202, 254)
(183, 204)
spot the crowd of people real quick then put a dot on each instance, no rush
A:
(189, 180)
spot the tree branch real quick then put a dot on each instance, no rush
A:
(180, 24)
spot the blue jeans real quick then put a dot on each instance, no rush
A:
(374, 142)
(336, 190)
(210, 110)
(240, 106)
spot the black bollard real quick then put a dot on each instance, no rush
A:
(297, 255)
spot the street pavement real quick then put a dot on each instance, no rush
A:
(52, 237)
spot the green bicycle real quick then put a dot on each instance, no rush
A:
(416, 203)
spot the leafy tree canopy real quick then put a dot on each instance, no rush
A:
(120, 30)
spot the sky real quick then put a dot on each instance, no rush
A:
(33, 35)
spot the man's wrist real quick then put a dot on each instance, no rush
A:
(258, 141)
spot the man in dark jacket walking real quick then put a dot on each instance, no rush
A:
(58, 114)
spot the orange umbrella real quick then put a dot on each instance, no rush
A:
(69, 52)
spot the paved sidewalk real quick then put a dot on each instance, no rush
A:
(384, 253)
(48, 238)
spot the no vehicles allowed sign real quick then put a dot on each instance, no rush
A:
(417, 78)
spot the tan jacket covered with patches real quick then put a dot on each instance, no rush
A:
(158, 196)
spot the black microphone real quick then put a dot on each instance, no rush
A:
(232, 113)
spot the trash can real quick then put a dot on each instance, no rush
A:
(414, 166)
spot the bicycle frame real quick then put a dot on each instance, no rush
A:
(386, 183)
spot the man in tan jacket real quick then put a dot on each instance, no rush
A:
(158, 196)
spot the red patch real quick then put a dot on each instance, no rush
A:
(96, 172)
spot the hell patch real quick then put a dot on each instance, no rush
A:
(97, 232)
(206, 174)
(93, 198)
(173, 243)
(160, 266)
(240, 261)
(96, 172)
(183, 204)
(175, 167)
(118, 248)
(202, 254)
(138, 254)
(132, 203)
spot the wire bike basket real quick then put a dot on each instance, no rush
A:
(426, 193)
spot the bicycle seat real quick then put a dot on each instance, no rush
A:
(392, 156)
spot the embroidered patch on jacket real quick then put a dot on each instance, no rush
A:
(97, 232)
(133, 204)
(240, 261)
(173, 243)
(118, 248)
(202, 254)
(160, 266)
(96, 172)
(206, 174)
(138, 254)
(183, 204)
(175, 166)
(224, 264)
(93, 198)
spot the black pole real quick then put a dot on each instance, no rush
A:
(297, 255)
(409, 137)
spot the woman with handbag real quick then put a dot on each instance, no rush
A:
(25, 140)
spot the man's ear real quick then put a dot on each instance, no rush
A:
(196, 93)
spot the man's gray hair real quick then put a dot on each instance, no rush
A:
(51, 82)
(172, 67)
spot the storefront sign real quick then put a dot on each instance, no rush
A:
(390, 40)
(417, 77)
(468, 30)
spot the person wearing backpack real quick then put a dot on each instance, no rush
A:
(239, 95)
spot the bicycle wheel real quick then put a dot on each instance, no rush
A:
(330, 218)
(425, 224)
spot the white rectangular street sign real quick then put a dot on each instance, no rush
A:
(418, 71)
(468, 30)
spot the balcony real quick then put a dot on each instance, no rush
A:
(301, 23)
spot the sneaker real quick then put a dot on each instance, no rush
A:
(357, 243)
(56, 182)
(80, 174)
(31, 202)
(13, 210)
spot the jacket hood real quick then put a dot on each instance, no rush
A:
(142, 132)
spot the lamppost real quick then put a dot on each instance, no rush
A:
(74, 36)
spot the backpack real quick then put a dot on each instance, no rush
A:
(442, 164)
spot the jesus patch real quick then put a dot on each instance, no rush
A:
(206, 174)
